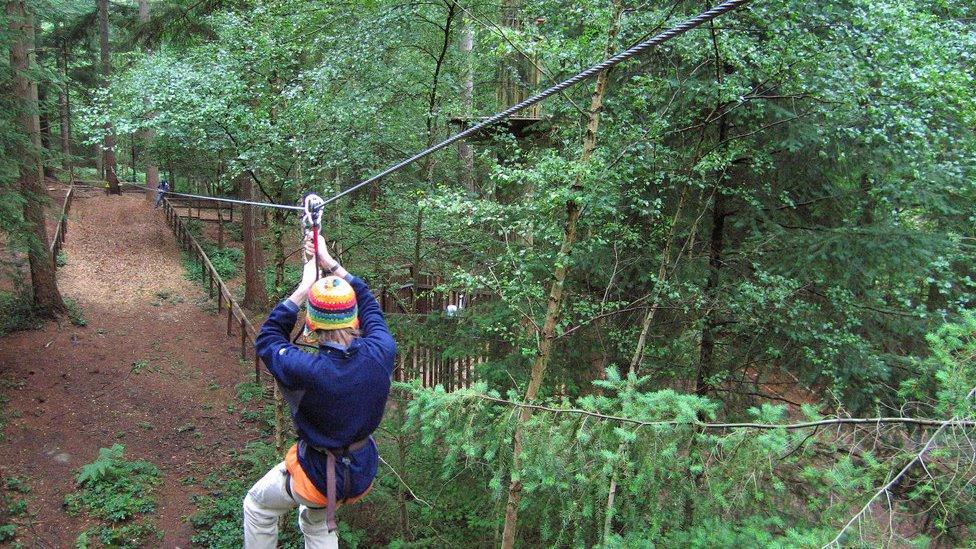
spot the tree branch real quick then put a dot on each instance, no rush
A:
(925, 422)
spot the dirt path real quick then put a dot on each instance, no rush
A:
(152, 370)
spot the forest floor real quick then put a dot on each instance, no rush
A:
(153, 370)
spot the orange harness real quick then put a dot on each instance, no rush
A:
(302, 486)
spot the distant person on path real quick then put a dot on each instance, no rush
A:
(160, 191)
(337, 399)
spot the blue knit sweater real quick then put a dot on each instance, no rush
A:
(338, 396)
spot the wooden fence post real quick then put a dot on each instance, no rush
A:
(243, 341)
(257, 367)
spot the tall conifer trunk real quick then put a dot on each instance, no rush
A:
(47, 298)
(465, 151)
(64, 111)
(45, 128)
(716, 248)
(548, 334)
(108, 144)
(147, 136)
(255, 292)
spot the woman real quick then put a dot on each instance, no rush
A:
(337, 399)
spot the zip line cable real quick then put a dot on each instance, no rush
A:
(661, 38)
(625, 55)
(220, 199)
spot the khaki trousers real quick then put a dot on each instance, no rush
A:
(267, 500)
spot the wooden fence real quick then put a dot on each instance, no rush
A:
(223, 212)
(214, 284)
(432, 369)
(61, 232)
(235, 314)
(423, 297)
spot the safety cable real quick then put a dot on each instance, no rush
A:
(219, 199)
(661, 38)
(657, 40)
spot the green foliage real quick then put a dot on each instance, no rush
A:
(194, 227)
(235, 231)
(217, 522)
(226, 261)
(801, 174)
(292, 276)
(17, 313)
(121, 494)
(676, 485)
(138, 366)
(62, 259)
(75, 313)
(192, 269)
(249, 391)
(14, 512)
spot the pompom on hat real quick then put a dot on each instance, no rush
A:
(331, 305)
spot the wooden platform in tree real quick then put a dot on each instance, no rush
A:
(519, 127)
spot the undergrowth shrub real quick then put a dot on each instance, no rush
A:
(192, 269)
(75, 313)
(121, 494)
(217, 522)
(225, 260)
(17, 313)
(293, 275)
(194, 227)
(15, 511)
(675, 485)
(235, 231)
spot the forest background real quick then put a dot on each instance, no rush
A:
(770, 219)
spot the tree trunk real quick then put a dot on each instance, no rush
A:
(465, 152)
(45, 125)
(47, 298)
(706, 354)
(638, 356)
(64, 112)
(147, 135)
(255, 293)
(220, 228)
(439, 63)
(548, 335)
(108, 144)
(278, 231)
(99, 161)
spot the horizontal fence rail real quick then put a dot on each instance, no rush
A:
(60, 233)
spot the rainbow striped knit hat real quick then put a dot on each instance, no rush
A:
(331, 305)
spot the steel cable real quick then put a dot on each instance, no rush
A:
(657, 40)
(592, 71)
(219, 199)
